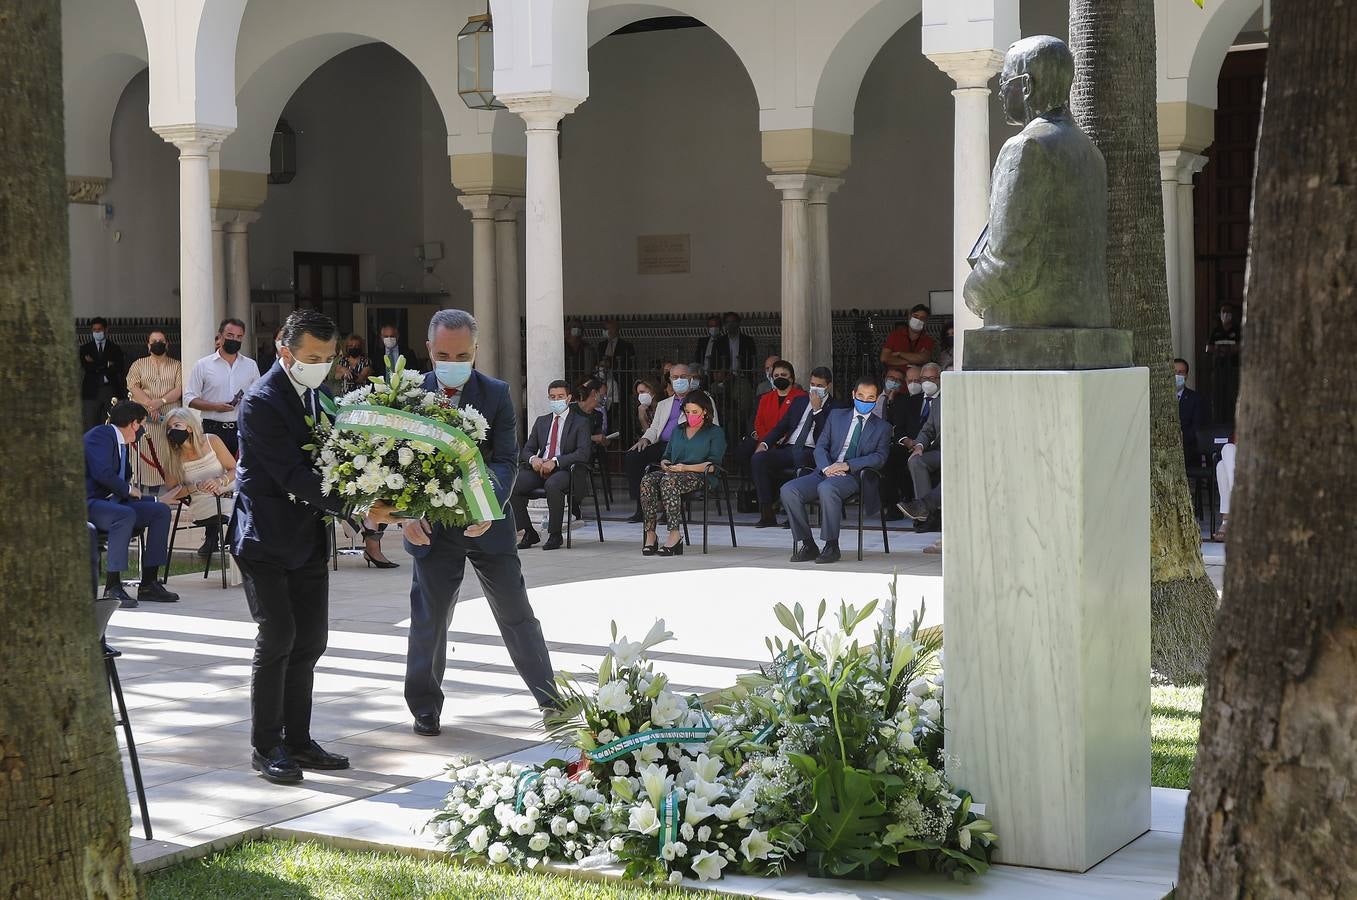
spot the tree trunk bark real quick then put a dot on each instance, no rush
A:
(1273, 811)
(1114, 102)
(63, 807)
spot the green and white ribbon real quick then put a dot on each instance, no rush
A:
(669, 821)
(631, 743)
(477, 487)
(526, 779)
(763, 736)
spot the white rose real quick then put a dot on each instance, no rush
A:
(707, 865)
(687, 832)
(558, 826)
(704, 834)
(572, 827)
(667, 709)
(606, 736)
(621, 768)
(614, 697)
(616, 844)
(523, 826)
(756, 846)
(581, 813)
(931, 708)
(405, 456)
(478, 839)
(675, 877)
(498, 852)
(539, 841)
(360, 462)
(395, 481)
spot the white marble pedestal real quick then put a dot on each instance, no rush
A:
(1046, 610)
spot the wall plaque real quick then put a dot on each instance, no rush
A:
(663, 254)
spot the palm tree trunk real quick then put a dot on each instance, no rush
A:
(1114, 102)
(1273, 810)
(64, 820)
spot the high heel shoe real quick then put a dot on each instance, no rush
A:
(650, 549)
(676, 550)
(379, 563)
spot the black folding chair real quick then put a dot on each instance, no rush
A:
(218, 526)
(587, 471)
(704, 494)
(103, 611)
(598, 462)
(861, 477)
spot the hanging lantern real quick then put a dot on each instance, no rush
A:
(476, 63)
(283, 154)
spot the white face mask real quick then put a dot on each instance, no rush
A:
(574, 332)
(644, 398)
(389, 343)
(916, 388)
(98, 336)
(930, 389)
(916, 324)
(311, 375)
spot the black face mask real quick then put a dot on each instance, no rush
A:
(230, 348)
(141, 433)
(732, 328)
(354, 352)
(158, 348)
(782, 383)
(947, 342)
(177, 437)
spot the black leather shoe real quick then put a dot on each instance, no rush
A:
(427, 725)
(805, 552)
(156, 593)
(530, 537)
(915, 509)
(830, 554)
(119, 593)
(276, 766)
(770, 522)
(554, 542)
(314, 756)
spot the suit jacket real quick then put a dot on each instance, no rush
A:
(662, 410)
(903, 414)
(490, 397)
(930, 433)
(623, 354)
(782, 431)
(279, 507)
(874, 447)
(102, 363)
(1190, 418)
(573, 444)
(105, 473)
(382, 366)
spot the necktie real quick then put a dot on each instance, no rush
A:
(450, 392)
(311, 405)
(801, 433)
(555, 432)
(853, 437)
(928, 408)
(124, 471)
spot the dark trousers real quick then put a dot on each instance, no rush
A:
(226, 431)
(95, 409)
(832, 493)
(438, 571)
(744, 452)
(635, 463)
(896, 481)
(121, 521)
(291, 607)
(556, 484)
(769, 466)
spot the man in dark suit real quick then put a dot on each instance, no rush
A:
(615, 347)
(853, 440)
(280, 542)
(104, 373)
(1190, 415)
(116, 507)
(441, 554)
(902, 407)
(705, 354)
(393, 349)
(791, 443)
(557, 441)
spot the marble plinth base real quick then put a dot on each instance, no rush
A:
(1046, 607)
(1002, 348)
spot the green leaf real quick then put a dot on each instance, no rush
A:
(784, 615)
(848, 818)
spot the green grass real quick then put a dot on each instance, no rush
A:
(285, 870)
(1175, 721)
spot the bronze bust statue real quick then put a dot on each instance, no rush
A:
(1039, 271)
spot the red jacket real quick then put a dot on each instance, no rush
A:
(772, 408)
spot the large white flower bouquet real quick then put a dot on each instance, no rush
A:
(392, 440)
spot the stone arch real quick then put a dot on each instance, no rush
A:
(1224, 22)
(852, 54)
(92, 95)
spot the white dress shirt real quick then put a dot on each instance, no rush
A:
(560, 436)
(215, 380)
(810, 432)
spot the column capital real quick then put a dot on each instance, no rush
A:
(483, 206)
(194, 138)
(85, 188)
(541, 112)
(236, 221)
(512, 207)
(804, 186)
(806, 151)
(1180, 165)
(819, 193)
(970, 69)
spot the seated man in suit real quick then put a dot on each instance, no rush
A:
(925, 466)
(115, 506)
(902, 406)
(1190, 415)
(556, 442)
(852, 440)
(790, 445)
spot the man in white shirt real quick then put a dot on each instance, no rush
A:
(559, 440)
(217, 382)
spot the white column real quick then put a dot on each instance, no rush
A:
(238, 272)
(484, 290)
(218, 267)
(796, 266)
(821, 313)
(1176, 171)
(545, 277)
(510, 300)
(971, 70)
(196, 330)
(1168, 185)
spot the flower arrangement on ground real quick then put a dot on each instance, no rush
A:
(831, 753)
(392, 440)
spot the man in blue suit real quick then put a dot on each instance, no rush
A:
(115, 506)
(791, 443)
(441, 553)
(853, 440)
(280, 542)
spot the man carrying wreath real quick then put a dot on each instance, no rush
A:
(441, 552)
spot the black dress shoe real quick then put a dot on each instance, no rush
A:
(830, 554)
(276, 766)
(554, 542)
(314, 756)
(805, 552)
(155, 592)
(530, 537)
(770, 522)
(427, 725)
(915, 509)
(119, 593)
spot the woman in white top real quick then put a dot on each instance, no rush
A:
(202, 469)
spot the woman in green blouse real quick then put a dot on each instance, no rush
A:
(694, 445)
